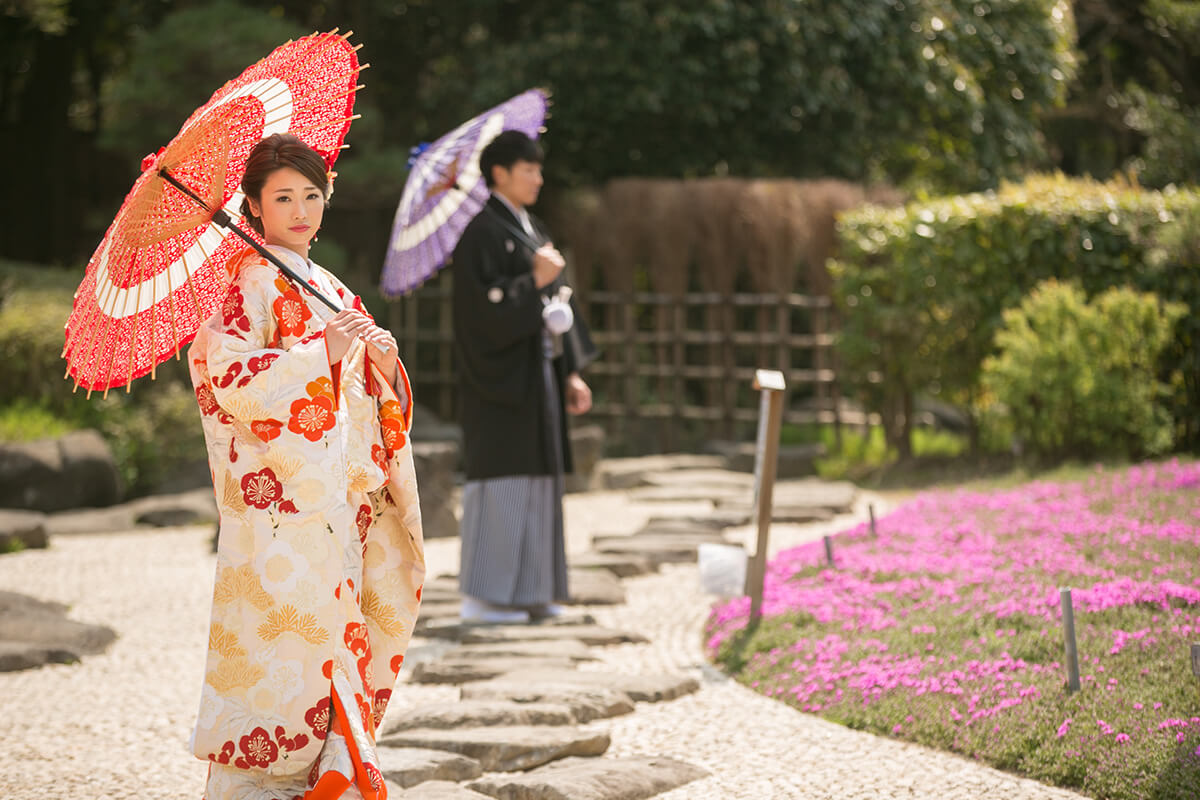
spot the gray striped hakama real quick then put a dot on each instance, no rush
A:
(513, 553)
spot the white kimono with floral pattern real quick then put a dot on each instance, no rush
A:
(320, 556)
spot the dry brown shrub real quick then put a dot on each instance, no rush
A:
(574, 224)
(714, 202)
(668, 233)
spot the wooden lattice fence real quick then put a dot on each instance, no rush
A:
(676, 369)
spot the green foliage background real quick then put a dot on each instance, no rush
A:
(923, 288)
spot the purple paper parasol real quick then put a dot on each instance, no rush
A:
(445, 190)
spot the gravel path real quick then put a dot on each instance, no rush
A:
(116, 725)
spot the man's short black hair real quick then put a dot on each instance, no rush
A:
(507, 149)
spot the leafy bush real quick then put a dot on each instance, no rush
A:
(922, 288)
(1078, 378)
(154, 429)
(24, 422)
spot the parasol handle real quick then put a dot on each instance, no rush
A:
(519, 234)
(221, 218)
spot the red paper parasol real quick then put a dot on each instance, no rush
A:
(159, 271)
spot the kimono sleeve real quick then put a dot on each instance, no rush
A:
(255, 379)
(497, 310)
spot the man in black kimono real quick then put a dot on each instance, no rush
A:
(518, 373)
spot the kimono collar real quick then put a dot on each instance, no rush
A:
(308, 272)
(519, 214)
(301, 266)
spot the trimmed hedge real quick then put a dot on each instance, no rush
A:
(922, 289)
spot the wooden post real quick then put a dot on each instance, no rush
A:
(1068, 612)
(766, 456)
(871, 511)
(829, 550)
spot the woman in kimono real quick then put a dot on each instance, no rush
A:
(320, 555)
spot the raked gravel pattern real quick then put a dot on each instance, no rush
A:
(116, 725)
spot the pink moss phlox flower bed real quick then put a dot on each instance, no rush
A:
(946, 629)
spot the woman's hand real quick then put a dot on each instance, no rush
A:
(579, 396)
(382, 348)
(342, 330)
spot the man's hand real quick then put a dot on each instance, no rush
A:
(579, 396)
(547, 264)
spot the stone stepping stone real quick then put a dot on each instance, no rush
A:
(836, 496)
(623, 566)
(20, 530)
(589, 634)
(439, 609)
(594, 587)
(586, 704)
(436, 790)
(441, 589)
(782, 513)
(505, 748)
(680, 534)
(674, 538)
(560, 648)
(661, 549)
(687, 493)
(35, 632)
(484, 713)
(718, 478)
(626, 473)
(466, 670)
(630, 778)
(408, 766)
(716, 520)
(646, 688)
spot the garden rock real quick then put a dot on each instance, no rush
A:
(429, 427)
(586, 703)
(594, 587)
(508, 747)
(20, 530)
(74, 471)
(632, 778)
(35, 632)
(587, 448)
(485, 713)
(196, 507)
(408, 766)
(435, 463)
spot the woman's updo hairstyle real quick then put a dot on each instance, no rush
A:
(275, 152)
